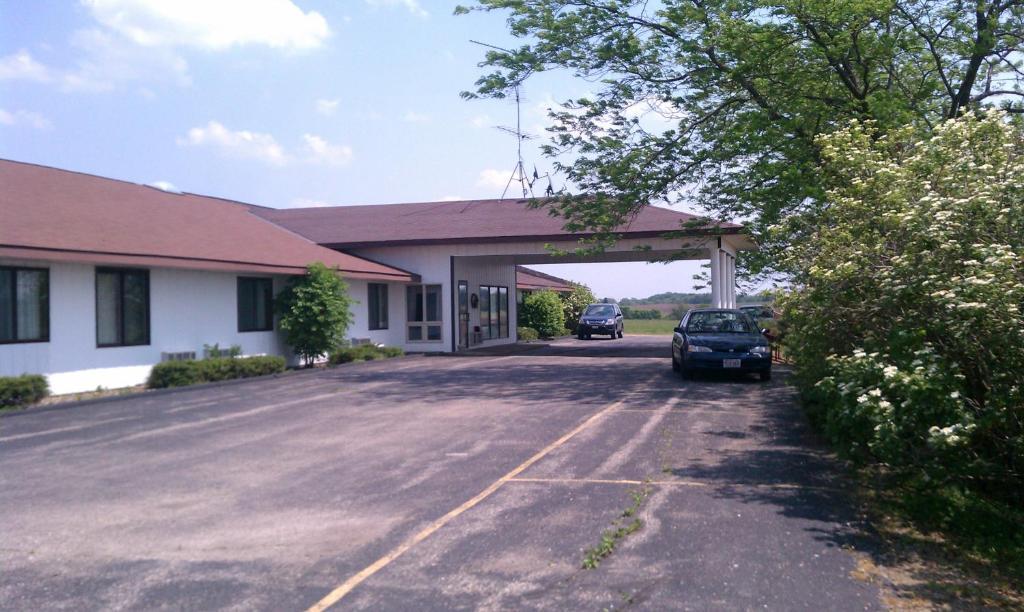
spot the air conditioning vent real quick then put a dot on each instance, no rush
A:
(179, 356)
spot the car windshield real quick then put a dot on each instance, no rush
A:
(600, 310)
(719, 323)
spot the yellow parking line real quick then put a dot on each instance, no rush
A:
(579, 480)
(346, 587)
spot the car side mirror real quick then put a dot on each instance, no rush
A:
(678, 330)
(765, 331)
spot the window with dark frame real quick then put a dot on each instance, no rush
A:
(377, 305)
(493, 312)
(423, 313)
(255, 304)
(122, 307)
(24, 305)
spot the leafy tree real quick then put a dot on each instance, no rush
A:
(542, 311)
(907, 315)
(573, 304)
(314, 311)
(740, 90)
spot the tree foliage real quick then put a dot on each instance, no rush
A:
(314, 311)
(542, 311)
(907, 318)
(573, 304)
(723, 101)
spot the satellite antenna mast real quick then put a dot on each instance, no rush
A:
(519, 171)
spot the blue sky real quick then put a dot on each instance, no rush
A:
(279, 102)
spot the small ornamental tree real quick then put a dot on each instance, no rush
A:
(573, 304)
(314, 311)
(543, 312)
(906, 318)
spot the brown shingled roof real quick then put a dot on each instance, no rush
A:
(52, 214)
(533, 280)
(453, 222)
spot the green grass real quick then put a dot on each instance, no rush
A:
(650, 327)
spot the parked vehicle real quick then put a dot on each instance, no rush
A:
(720, 339)
(600, 319)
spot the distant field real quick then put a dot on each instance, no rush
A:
(650, 327)
(663, 327)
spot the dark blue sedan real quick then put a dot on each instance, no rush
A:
(721, 340)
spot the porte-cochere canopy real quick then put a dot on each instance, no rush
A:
(520, 232)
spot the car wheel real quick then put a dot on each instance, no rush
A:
(614, 335)
(620, 332)
(579, 336)
(675, 364)
(588, 336)
(766, 375)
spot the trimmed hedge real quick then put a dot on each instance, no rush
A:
(364, 352)
(184, 373)
(526, 334)
(22, 390)
(543, 312)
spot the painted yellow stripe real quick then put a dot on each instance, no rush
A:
(579, 481)
(346, 587)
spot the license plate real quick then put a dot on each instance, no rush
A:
(730, 363)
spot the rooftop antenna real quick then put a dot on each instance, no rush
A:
(519, 171)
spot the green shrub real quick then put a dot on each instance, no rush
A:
(392, 351)
(22, 390)
(184, 373)
(314, 312)
(543, 312)
(527, 334)
(173, 374)
(906, 321)
(364, 352)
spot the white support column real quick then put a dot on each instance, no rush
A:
(723, 271)
(716, 277)
(731, 282)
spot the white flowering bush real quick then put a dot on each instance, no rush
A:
(906, 319)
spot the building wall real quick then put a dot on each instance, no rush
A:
(394, 335)
(187, 310)
(434, 264)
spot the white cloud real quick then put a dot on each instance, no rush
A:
(264, 147)
(244, 144)
(110, 61)
(490, 177)
(414, 117)
(22, 66)
(319, 151)
(326, 107)
(25, 118)
(308, 203)
(413, 6)
(481, 121)
(217, 25)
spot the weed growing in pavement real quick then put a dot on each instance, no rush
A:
(620, 529)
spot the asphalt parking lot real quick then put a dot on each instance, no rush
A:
(432, 483)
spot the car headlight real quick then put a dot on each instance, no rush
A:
(693, 348)
(760, 350)
(609, 322)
